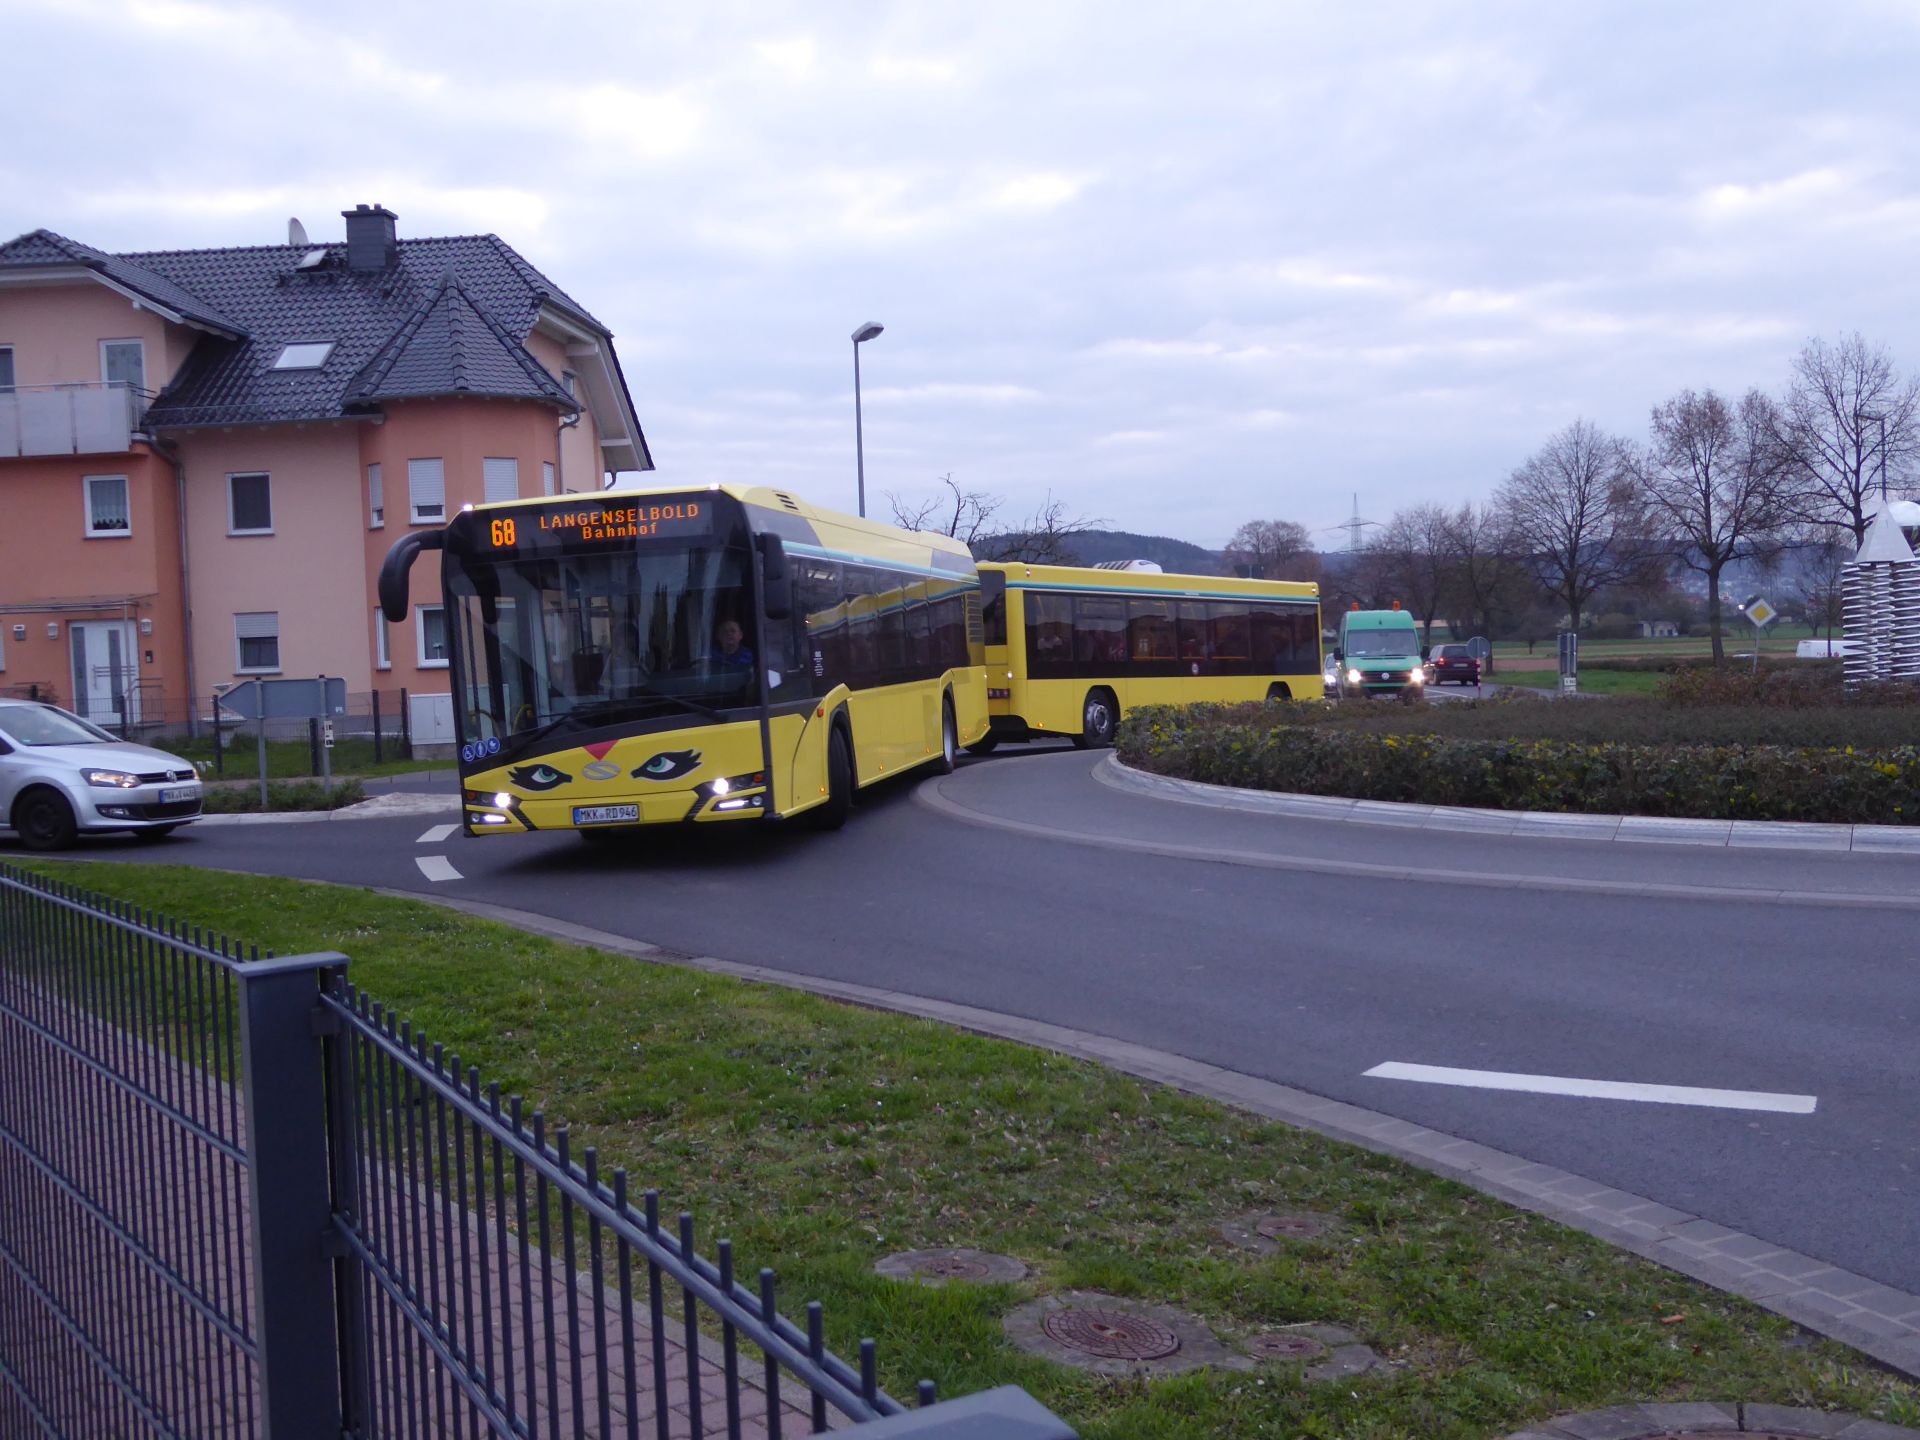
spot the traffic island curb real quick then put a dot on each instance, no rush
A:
(1683, 1421)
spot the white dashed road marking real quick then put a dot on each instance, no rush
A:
(436, 867)
(1597, 1089)
(436, 834)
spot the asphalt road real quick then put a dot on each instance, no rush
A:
(1307, 953)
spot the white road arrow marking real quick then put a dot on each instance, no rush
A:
(436, 834)
(436, 868)
(1596, 1089)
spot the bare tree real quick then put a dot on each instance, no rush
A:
(1486, 578)
(1572, 514)
(1850, 423)
(1710, 481)
(1416, 554)
(1273, 550)
(1044, 538)
(963, 514)
(1823, 557)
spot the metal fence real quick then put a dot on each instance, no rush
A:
(239, 1198)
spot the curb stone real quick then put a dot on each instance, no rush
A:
(1632, 1422)
(1644, 829)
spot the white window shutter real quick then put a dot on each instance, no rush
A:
(546, 477)
(427, 490)
(260, 625)
(376, 496)
(501, 479)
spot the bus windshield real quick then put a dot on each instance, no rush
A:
(639, 632)
(1377, 643)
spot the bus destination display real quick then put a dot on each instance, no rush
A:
(640, 520)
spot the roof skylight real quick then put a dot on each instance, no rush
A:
(307, 355)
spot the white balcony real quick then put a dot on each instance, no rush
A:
(68, 419)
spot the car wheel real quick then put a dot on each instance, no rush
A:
(1097, 721)
(44, 820)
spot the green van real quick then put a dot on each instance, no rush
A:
(1379, 655)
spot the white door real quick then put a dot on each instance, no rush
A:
(105, 672)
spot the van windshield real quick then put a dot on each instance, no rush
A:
(1382, 642)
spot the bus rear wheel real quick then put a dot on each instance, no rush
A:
(833, 813)
(1099, 716)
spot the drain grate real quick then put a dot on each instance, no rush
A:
(1111, 1334)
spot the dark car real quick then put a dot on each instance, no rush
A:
(1453, 662)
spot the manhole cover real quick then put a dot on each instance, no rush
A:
(1292, 1227)
(1111, 1334)
(953, 1267)
(936, 1267)
(1284, 1347)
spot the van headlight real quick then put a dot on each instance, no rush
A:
(1417, 676)
(1353, 677)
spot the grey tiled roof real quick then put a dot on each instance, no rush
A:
(43, 247)
(449, 346)
(398, 331)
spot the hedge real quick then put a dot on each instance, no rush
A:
(1262, 747)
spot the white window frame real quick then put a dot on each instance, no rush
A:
(376, 497)
(420, 636)
(299, 355)
(382, 643)
(549, 478)
(135, 341)
(240, 667)
(12, 377)
(414, 513)
(490, 466)
(87, 482)
(232, 528)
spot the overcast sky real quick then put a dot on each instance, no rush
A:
(1182, 266)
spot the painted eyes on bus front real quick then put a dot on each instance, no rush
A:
(669, 765)
(538, 777)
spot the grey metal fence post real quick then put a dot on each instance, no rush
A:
(290, 1199)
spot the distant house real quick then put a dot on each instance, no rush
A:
(1657, 629)
(205, 454)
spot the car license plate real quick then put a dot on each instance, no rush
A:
(604, 814)
(178, 793)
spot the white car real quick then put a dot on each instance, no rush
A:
(61, 777)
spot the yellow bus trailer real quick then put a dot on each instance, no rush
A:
(1069, 650)
(720, 654)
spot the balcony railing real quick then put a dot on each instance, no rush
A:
(69, 419)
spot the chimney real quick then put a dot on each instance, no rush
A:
(370, 241)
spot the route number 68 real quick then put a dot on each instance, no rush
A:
(502, 531)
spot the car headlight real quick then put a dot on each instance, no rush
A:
(110, 779)
(1353, 677)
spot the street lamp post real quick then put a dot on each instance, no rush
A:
(860, 337)
(1881, 420)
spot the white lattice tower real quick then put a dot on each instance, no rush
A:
(1906, 621)
(1878, 604)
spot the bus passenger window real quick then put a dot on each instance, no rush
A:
(1150, 630)
(1229, 629)
(1049, 634)
(1100, 636)
(993, 606)
(1193, 630)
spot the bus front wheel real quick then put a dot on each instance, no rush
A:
(833, 813)
(1099, 716)
(949, 740)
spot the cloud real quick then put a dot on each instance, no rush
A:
(1044, 191)
(647, 126)
(793, 58)
(950, 390)
(1131, 437)
(913, 69)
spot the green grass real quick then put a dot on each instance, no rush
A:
(1592, 682)
(1735, 636)
(820, 1137)
(293, 759)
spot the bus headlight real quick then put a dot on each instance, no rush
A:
(503, 801)
(721, 787)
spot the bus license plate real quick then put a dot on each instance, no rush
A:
(604, 814)
(179, 794)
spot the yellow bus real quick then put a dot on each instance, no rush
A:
(714, 655)
(1069, 651)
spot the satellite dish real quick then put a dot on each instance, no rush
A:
(297, 233)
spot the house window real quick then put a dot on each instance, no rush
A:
(427, 491)
(256, 638)
(307, 355)
(432, 631)
(6, 369)
(124, 362)
(376, 498)
(107, 513)
(382, 653)
(546, 477)
(249, 505)
(500, 479)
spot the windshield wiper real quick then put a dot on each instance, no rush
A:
(694, 705)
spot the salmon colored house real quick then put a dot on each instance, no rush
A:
(206, 454)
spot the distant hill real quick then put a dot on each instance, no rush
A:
(1176, 556)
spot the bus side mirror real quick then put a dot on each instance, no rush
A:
(777, 586)
(394, 602)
